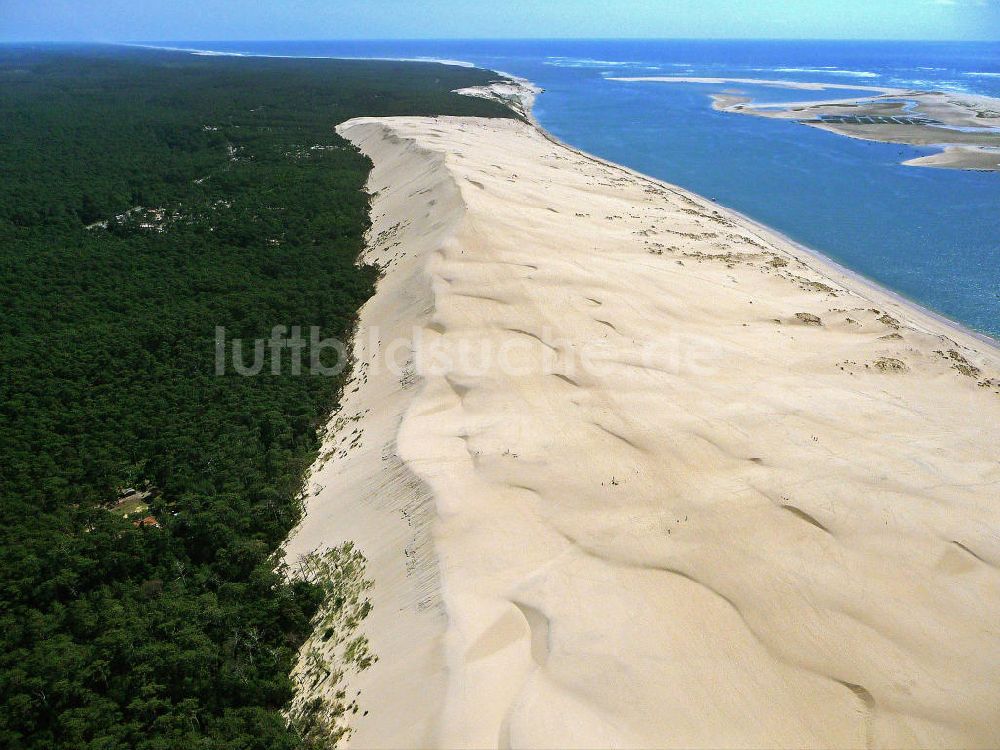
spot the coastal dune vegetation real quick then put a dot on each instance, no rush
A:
(147, 197)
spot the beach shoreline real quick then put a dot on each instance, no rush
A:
(826, 264)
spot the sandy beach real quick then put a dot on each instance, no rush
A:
(629, 470)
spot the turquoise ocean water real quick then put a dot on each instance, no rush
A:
(929, 234)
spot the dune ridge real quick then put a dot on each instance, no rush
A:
(644, 474)
(360, 491)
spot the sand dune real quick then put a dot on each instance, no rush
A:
(644, 475)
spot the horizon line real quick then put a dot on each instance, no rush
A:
(510, 39)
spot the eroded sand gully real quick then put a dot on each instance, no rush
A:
(712, 497)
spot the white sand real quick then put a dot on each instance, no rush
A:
(960, 157)
(681, 513)
(519, 94)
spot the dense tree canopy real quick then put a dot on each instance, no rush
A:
(146, 198)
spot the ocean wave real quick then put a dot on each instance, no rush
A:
(955, 87)
(586, 62)
(191, 50)
(982, 74)
(650, 69)
(829, 70)
(439, 60)
(220, 53)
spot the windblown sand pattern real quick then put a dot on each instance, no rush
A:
(706, 491)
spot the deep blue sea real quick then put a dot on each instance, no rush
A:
(931, 235)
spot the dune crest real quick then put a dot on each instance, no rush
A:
(640, 473)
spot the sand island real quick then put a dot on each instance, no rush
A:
(965, 126)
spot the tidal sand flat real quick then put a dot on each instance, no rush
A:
(629, 470)
(963, 125)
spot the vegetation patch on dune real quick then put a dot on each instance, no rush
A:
(322, 711)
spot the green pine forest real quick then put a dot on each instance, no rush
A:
(146, 197)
